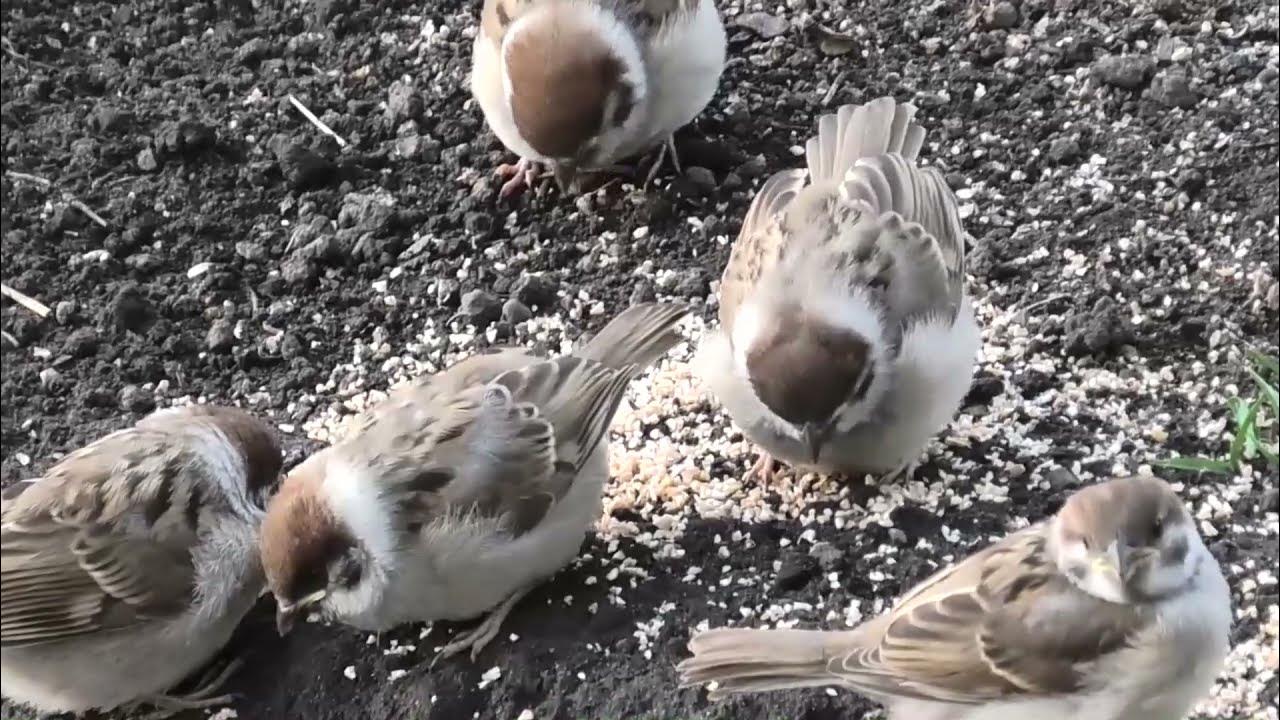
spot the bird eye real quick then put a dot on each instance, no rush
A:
(1085, 542)
(345, 571)
(1157, 529)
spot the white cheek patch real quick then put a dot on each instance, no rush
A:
(1162, 578)
(357, 503)
(623, 43)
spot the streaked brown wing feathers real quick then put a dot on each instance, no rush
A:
(980, 631)
(99, 542)
(760, 242)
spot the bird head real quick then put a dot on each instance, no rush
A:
(313, 560)
(574, 76)
(815, 375)
(254, 440)
(1129, 540)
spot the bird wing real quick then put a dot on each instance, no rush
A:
(870, 218)
(896, 229)
(102, 541)
(1002, 624)
(507, 446)
(760, 243)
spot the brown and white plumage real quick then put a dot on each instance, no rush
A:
(128, 564)
(1114, 610)
(846, 340)
(586, 83)
(461, 491)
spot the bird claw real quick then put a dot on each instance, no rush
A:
(763, 470)
(481, 635)
(902, 473)
(518, 177)
(199, 698)
(668, 147)
(167, 705)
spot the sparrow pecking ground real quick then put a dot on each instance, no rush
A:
(1116, 163)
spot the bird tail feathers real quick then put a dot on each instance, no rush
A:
(857, 131)
(742, 660)
(637, 337)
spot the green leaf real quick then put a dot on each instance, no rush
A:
(1268, 392)
(1245, 432)
(1197, 465)
(1239, 411)
(1251, 445)
(1266, 363)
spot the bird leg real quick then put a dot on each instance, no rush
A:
(200, 698)
(902, 473)
(668, 147)
(762, 470)
(480, 636)
(213, 679)
(518, 177)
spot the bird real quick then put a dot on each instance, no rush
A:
(1113, 609)
(461, 491)
(582, 84)
(846, 338)
(128, 564)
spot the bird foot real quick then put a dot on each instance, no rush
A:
(517, 177)
(668, 148)
(481, 635)
(200, 698)
(902, 473)
(763, 470)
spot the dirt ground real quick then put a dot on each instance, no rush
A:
(1117, 163)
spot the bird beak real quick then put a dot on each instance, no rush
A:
(814, 437)
(1110, 563)
(565, 174)
(287, 613)
(1104, 566)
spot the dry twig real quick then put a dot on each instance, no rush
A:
(316, 121)
(831, 91)
(9, 48)
(87, 211)
(1021, 313)
(25, 301)
(70, 199)
(29, 178)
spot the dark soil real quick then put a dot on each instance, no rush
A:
(171, 121)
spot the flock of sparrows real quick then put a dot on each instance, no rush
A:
(846, 341)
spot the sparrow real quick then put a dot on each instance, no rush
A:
(582, 84)
(127, 566)
(846, 340)
(460, 492)
(1114, 609)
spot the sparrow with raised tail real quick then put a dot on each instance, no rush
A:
(583, 84)
(127, 566)
(846, 340)
(459, 493)
(1112, 610)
